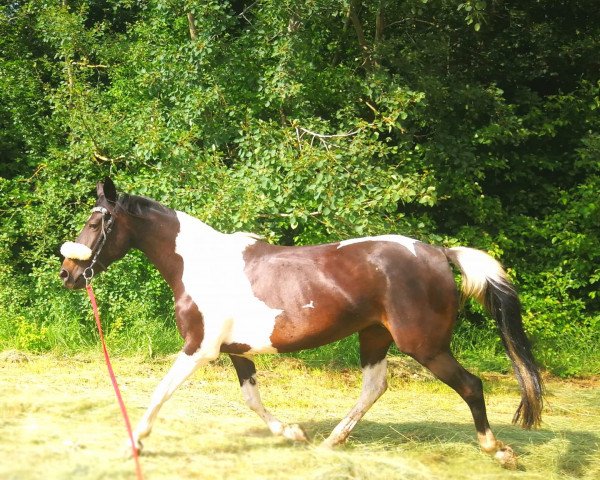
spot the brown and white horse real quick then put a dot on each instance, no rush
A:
(239, 295)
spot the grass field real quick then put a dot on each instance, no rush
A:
(59, 420)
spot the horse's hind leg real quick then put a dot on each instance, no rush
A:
(374, 344)
(445, 367)
(246, 372)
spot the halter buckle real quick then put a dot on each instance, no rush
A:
(88, 274)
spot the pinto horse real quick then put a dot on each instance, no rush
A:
(239, 295)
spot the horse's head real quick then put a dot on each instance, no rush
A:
(103, 239)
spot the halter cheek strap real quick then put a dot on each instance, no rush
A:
(79, 251)
(88, 273)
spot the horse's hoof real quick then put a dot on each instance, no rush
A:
(295, 432)
(128, 449)
(332, 442)
(506, 457)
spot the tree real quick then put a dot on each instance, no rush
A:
(468, 124)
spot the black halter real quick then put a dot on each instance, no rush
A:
(107, 224)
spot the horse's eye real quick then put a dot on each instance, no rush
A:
(94, 226)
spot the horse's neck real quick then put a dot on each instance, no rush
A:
(160, 237)
(155, 236)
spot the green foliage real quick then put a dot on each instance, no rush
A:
(473, 123)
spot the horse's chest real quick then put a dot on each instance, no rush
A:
(214, 278)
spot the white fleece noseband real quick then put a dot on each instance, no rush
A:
(75, 251)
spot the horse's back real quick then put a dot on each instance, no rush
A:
(327, 292)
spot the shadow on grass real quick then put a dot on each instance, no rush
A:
(575, 460)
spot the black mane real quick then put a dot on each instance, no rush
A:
(141, 207)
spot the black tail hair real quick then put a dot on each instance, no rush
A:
(502, 302)
(485, 280)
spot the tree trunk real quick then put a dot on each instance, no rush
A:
(360, 35)
(192, 26)
(379, 23)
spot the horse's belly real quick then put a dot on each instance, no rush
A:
(314, 325)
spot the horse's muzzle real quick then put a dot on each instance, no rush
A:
(70, 282)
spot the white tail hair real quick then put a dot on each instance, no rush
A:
(477, 268)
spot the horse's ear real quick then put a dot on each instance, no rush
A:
(108, 189)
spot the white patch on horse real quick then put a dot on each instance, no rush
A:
(213, 276)
(252, 398)
(184, 366)
(309, 305)
(373, 385)
(406, 242)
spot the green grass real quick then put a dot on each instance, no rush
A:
(61, 412)
(65, 326)
(136, 327)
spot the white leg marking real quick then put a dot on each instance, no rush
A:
(183, 367)
(373, 386)
(252, 397)
(487, 441)
(501, 452)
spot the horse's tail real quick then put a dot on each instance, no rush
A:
(484, 279)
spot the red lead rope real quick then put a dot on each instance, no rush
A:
(113, 379)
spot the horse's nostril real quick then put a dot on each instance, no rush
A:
(64, 274)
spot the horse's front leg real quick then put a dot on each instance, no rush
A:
(184, 366)
(246, 372)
